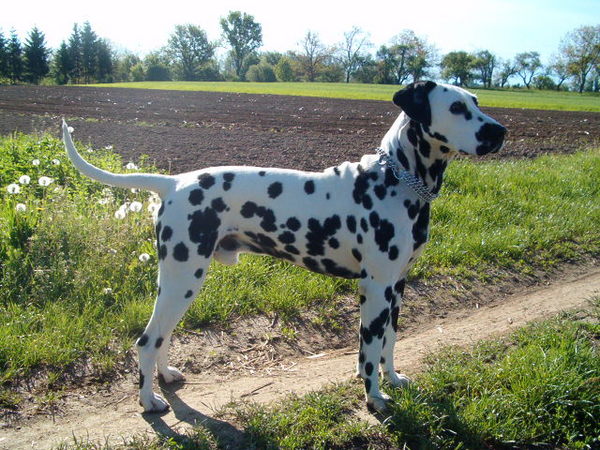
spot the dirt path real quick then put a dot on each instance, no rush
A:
(114, 414)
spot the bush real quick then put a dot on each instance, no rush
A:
(261, 73)
(158, 72)
(284, 71)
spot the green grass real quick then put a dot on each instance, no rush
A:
(536, 388)
(73, 289)
(513, 98)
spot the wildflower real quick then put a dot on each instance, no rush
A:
(35, 162)
(131, 166)
(120, 214)
(56, 162)
(144, 257)
(13, 188)
(21, 207)
(71, 129)
(107, 291)
(24, 179)
(108, 147)
(135, 207)
(45, 181)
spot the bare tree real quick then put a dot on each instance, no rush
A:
(559, 69)
(507, 69)
(351, 51)
(484, 64)
(527, 65)
(581, 51)
(313, 55)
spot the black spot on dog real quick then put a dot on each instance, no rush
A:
(336, 171)
(399, 287)
(377, 326)
(351, 224)
(203, 230)
(393, 253)
(206, 180)
(412, 208)
(159, 342)
(361, 186)
(384, 234)
(180, 252)
(311, 264)
(444, 149)
(275, 189)
(332, 268)
(198, 273)
(363, 274)
(362, 299)
(359, 238)
(334, 243)
(373, 219)
(196, 196)
(188, 294)
(318, 233)
(291, 249)
(166, 234)
(363, 225)
(361, 357)
(382, 360)
(287, 237)
(395, 314)
(229, 176)
(380, 191)
(366, 335)
(162, 251)
(357, 255)
(143, 340)
(293, 224)
(369, 369)
(309, 187)
(251, 209)
(367, 385)
(262, 173)
(161, 210)
(420, 227)
(389, 294)
(141, 382)
(229, 243)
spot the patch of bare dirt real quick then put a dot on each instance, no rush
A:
(184, 131)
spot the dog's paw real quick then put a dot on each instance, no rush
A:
(398, 380)
(378, 404)
(171, 375)
(155, 404)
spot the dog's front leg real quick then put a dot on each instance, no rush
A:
(394, 297)
(375, 316)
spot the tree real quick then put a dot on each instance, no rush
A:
(457, 66)
(484, 64)
(313, 55)
(559, 69)
(351, 51)
(89, 53)
(75, 55)
(507, 70)
(189, 49)
(409, 57)
(244, 35)
(36, 56)
(157, 67)
(527, 65)
(3, 57)
(104, 62)
(262, 72)
(62, 65)
(283, 70)
(15, 58)
(581, 52)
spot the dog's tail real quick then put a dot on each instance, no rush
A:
(161, 184)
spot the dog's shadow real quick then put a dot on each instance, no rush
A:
(227, 435)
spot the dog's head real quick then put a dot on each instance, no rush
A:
(451, 116)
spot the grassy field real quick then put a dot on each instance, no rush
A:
(521, 98)
(78, 264)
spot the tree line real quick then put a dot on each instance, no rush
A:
(189, 55)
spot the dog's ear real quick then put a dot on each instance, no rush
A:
(414, 101)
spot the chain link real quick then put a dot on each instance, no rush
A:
(411, 181)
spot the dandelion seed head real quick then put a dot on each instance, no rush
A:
(24, 179)
(35, 162)
(107, 291)
(45, 181)
(56, 162)
(144, 257)
(120, 214)
(135, 207)
(131, 166)
(21, 207)
(13, 188)
(71, 129)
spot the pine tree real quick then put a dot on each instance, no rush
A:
(89, 57)
(75, 55)
(62, 64)
(36, 56)
(15, 58)
(3, 57)
(104, 68)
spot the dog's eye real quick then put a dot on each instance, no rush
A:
(458, 108)
(475, 101)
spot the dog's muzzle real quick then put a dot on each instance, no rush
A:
(491, 136)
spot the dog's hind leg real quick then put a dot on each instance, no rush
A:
(394, 297)
(177, 290)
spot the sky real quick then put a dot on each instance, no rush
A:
(505, 27)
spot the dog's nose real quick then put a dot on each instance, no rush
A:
(491, 135)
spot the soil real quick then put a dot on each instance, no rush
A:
(183, 131)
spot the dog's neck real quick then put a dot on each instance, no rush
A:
(415, 151)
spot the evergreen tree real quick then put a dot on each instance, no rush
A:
(15, 58)
(104, 69)
(62, 64)
(36, 56)
(75, 55)
(89, 53)
(3, 57)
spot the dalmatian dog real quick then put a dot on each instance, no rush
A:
(367, 220)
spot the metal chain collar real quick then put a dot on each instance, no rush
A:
(416, 184)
